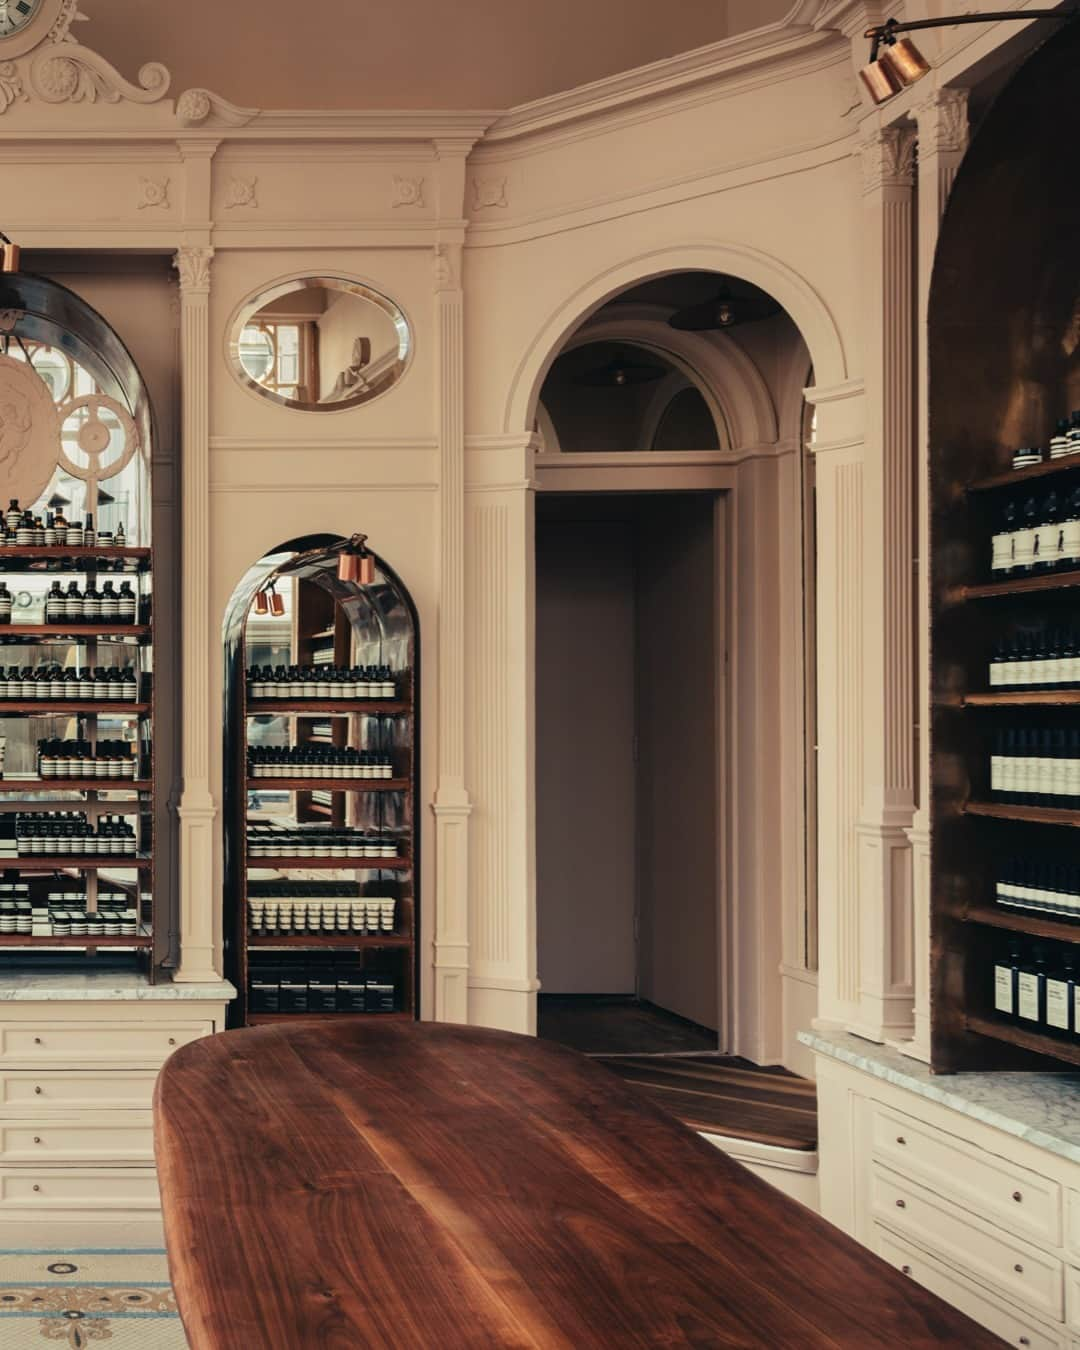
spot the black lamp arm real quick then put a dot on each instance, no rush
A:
(891, 27)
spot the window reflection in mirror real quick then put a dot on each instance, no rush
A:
(320, 344)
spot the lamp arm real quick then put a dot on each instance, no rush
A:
(891, 26)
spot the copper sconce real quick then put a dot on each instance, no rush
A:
(356, 563)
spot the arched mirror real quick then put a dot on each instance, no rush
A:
(319, 344)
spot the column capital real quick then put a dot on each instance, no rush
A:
(942, 118)
(193, 265)
(887, 156)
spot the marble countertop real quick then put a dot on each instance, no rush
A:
(104, 987)
(1041, 1108)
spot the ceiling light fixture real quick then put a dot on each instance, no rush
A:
(896, 62)
(724, 310)
(618, 374)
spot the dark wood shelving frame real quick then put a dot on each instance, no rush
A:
(1016, 478)
(277, 1019)
(1023, 698)
(311, 627)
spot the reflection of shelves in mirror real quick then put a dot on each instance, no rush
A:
(9, 552)
(142, 939)
(341, 707)
(330, 784)
(298, 864)
(315, 942)
(44, 707)
(74, 631)
(61, 862)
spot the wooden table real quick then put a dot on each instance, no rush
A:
(331, 1185)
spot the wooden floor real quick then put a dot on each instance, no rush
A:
(726, 1095)
(407, 1186)
(603, 1025)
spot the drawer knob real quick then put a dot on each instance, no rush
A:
(37, 1040)
(37, 1092)
(900, 1204)
(37, 1139)
(1024, 1340)
(172, 1040)
(905, 1270)
(1017, 1196)
(1018, 1268)
(900, 1139)
(37, 1188)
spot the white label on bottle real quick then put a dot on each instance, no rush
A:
(1059, 778)
(1057, 1004)
(997, 673)
(1048, 543)
(1072, 777)
(1070, 540)
(1008, 773)
(1028, 999)
(1003, 990)
(1076, 1004)
(1001, 552)
(1023, 547)
(997, 773)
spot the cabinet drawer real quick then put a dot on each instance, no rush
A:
(1072, 1298)
(1072, 1222)
(27, 1092)
(1022, 1201)
(74, 1044)
(118, 1140)
(962, 1293)
(105, 1189)
(1006, 1263)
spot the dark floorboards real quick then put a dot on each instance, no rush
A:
(604, 1025)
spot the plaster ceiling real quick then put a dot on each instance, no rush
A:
(363, 54)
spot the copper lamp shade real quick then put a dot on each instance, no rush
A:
(879, 82)
(356, 563)
(904, 62)
(262, 605)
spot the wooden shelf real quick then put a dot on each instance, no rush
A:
(316, 941)
(15, 786)
(1035, 815)
(992, 590)
(266, 1019)
(330, 784)
(47, 707)
(34, 943)
(343, 707)
(74, 629)
(351, 864)
(1022, 921)
(61, 862)
(1017, 477)
(1028, 1040)
(1025, 698)
(17, 552)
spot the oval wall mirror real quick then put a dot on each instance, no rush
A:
(319, 344)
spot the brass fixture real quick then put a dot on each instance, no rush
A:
(896, 63)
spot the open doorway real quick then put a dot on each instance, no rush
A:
(629, 688)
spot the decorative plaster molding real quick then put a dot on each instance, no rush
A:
(489, 192)
(447, 267)
(69, 73)
(193, 265)
(197, 106)
(888, 159)
(241, 192)
(943, 121)
(11, 85)
(153, 192)
(408, 191)
(69, 14)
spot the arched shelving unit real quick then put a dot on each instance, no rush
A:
(321, 764)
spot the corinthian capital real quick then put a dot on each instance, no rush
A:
(943, 121)
(193, 265)
(888, 159)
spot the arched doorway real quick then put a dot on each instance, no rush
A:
(670, 581)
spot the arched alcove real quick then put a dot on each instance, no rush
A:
(321, 650)
(1004, 367)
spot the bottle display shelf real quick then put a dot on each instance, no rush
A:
(47, 707)
(268, 1019)
(1012, 478)
(28, 786)
(996, 590)
(1069, 1051)
(341, 941)
(1023, 698)
(74, 629)
(68, 862)
(42, 553)
(143, 939)
(346, 864)
(330, 784)
(1020, 921)
(1032, 815)
(341, 706)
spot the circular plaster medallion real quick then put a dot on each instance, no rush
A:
(29, 432)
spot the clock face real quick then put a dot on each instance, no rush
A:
(16, 14)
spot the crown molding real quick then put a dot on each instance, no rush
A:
(719, 62)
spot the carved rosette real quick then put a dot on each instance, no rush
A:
(196, 106)
(408, 191)
(241, 192)
(888, 159)
(70, 73)
(153, 192)
(489, 192)
(193, 265)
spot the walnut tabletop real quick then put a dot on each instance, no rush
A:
(335, 1185)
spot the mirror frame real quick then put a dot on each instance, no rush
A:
(247, 311)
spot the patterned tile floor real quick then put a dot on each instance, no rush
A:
(80, 1300)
